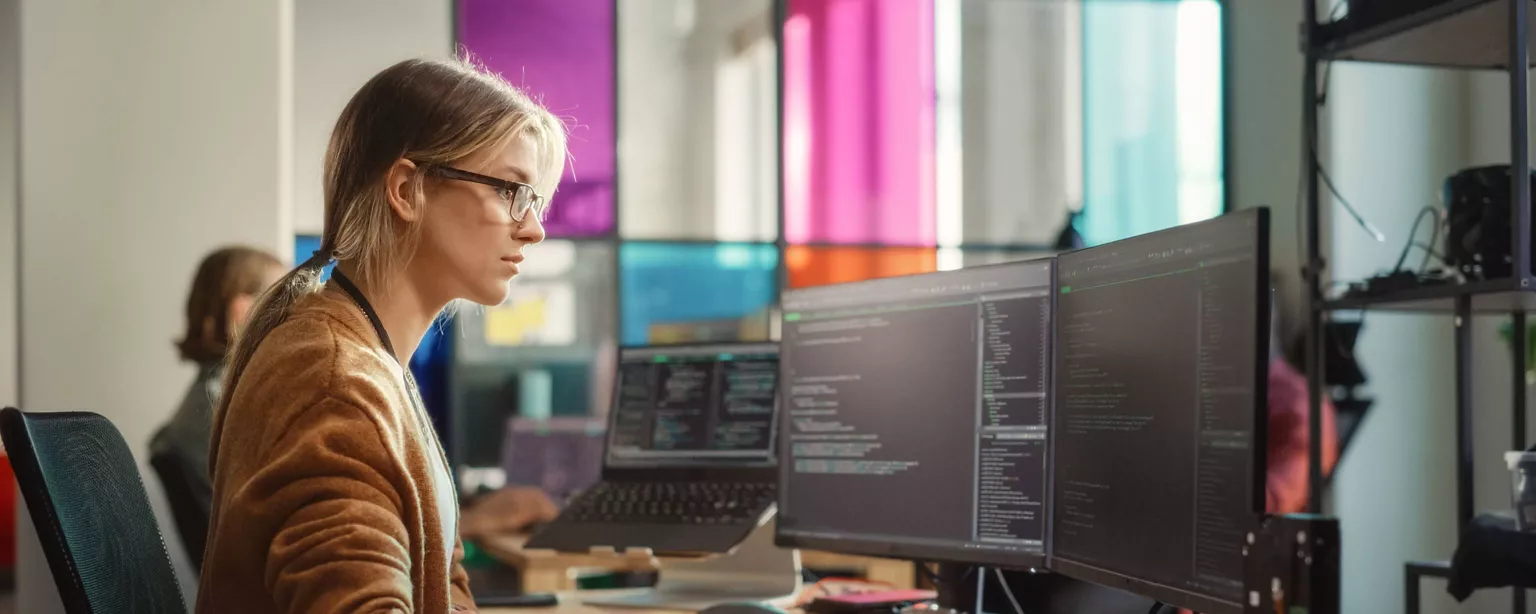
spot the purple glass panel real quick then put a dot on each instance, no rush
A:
(560, 52)
(859, 105)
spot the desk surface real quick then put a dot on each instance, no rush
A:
(570, 603)
(551, 572)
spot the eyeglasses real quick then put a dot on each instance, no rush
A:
(519, 197)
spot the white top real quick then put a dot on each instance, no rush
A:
(447, 500)
(443, 491)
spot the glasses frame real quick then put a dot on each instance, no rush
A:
(536, 203)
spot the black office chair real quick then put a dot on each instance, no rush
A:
(92, 515)
(187, 496)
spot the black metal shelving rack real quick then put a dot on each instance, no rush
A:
(1467, 34)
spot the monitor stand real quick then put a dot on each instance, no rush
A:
(755, 571)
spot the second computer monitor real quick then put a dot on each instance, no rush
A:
(1158, 433)
(915, 416)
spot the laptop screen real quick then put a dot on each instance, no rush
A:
(695, 405)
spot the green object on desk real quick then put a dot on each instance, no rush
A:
(476, 558)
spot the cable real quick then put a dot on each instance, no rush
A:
(1429, 251)
(932, 577)
(1434, 239)
(1018, 609)
(1333, 189)
(1413, 232)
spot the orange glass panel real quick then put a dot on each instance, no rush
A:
(819, 266)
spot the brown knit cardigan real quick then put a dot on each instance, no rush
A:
(322, 482)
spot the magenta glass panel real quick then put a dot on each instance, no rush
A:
(859, 122)
(561, 52)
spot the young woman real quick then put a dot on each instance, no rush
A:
(225, 286)
(331, 492)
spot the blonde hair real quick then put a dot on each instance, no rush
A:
(429, 112)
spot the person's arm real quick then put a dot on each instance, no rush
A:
(458, 582)
(506, 511)
(1285, 480)
(1285, 484)
(340, 545)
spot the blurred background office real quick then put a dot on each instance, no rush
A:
(916, 135)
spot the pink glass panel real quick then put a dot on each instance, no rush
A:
(561, 52)
(859, 122)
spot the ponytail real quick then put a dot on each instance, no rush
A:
(268, 312)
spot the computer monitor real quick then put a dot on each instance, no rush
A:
(915, 416)
(694, 406)
(1158, 437)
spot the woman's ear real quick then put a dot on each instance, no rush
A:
(400, 188)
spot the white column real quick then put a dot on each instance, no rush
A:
(153, 132)
(1395, 134)
(10, 31)
(338, 46)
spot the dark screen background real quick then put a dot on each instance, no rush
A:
(1157, 401)
(886, 433)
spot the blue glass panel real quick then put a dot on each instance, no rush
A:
(678, 293)
(1152, 116)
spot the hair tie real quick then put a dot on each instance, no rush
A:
(320, 259)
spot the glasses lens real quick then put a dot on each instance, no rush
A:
(522, 200)
(541, 209)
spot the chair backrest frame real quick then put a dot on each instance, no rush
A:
(32, 480)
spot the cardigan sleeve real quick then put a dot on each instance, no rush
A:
(458, 582)
(342, 546)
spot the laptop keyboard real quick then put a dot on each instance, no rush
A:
(696, 503)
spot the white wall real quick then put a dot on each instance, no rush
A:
(1022, 122)
(338, 46)
(153, 132)
(10, 35)
(1265, 136)
(1396, 133)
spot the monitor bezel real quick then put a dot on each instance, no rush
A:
(1172, 595)
(864, 545)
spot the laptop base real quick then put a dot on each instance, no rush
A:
(756, 570)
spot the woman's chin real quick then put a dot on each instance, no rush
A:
(491, 295)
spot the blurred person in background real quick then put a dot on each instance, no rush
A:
(225, 286)
(1285, 484)
(331, 492)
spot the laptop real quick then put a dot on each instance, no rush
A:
(689, 461)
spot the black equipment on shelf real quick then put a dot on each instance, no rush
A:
(1342, 375)
(1291, 564)
(1477, 239)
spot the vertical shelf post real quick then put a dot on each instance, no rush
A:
(1518, 418)
(1464, 445)
(1312, 273)
(1520, 211)
(1519, 128)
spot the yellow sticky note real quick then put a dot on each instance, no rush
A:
(512, 324)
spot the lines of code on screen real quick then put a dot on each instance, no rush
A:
(1156, 402)
(701, 403)
(916, 409)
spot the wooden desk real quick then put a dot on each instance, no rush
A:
(552, 572)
